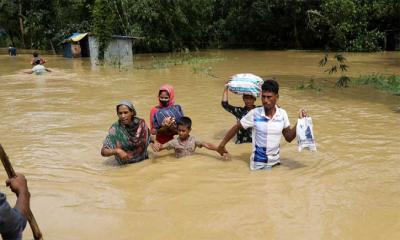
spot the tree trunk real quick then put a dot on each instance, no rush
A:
(297, 43)
(52, 47)
(21, 23)
(11, 38)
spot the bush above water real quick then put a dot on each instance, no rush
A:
(388, 83)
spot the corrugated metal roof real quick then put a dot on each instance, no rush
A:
(76, 37)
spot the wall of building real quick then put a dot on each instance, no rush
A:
(118, 52)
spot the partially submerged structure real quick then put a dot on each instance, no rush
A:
(119, 50)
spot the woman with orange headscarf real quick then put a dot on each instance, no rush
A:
(164, 116)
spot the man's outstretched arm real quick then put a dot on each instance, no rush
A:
(228, 136)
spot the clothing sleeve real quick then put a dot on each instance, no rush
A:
(180, 112)
(198, 143)
(286, 122)
(248, 120)
(170, 144)
(110, 142)
(152, 112)
(232, 109)
(12, 221)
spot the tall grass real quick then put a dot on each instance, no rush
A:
(387, 83)
(185, 58)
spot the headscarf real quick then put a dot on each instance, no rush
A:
(133, 126)
(171, 93)
(127, 103)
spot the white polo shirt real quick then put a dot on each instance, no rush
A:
(39, 69)
(266, 136)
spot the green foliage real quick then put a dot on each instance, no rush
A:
(175, 25)
(9, 20)
(347, 24)
(338, 65)
(183, 58)
(387, 83)
(368, 41)
(197, 62)
(342, 82)
(309, 85)
(102, 25)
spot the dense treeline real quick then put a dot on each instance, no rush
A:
(173, 25)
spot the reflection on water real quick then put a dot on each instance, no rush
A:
(52, 127)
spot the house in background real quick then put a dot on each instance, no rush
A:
(119, 50)
(77, 45)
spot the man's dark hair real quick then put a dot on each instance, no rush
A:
(185, 121)
(270, 85)
(35, 54)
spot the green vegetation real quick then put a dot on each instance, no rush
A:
(175, 25)
(387, 83)
(311, 84)
(348, 25)
(196, 61)
(183, 58)
(338, 64)
(102, 27)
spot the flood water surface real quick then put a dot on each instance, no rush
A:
(52, 127)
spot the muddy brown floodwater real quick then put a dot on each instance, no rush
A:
(52, 127)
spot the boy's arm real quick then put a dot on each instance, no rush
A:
(48, 70)
(213, 147)
(163, 147)
(167, 145)
(209, 146)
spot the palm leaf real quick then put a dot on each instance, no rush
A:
(324, 60)
(343, 82)
(340, 58)
(332, 70)
(343, 67)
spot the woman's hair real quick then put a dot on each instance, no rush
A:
(159, 93)
(185, 121)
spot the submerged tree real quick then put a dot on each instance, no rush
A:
(102, 25)
(338, 65)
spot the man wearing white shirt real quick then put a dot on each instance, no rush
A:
(38, 68)
(269, 123)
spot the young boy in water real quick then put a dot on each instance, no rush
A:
(37, 57)
(184, 144)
